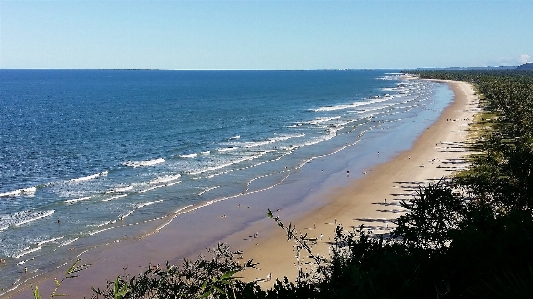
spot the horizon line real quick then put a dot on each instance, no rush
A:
(317, 69)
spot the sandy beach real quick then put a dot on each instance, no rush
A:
(374, 199)
(370, 198)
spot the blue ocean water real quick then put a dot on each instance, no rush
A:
(96, 150)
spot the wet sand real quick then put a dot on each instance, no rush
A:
(352, 199)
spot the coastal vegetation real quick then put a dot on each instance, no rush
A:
(467, 236)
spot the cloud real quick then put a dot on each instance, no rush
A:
(512, 61)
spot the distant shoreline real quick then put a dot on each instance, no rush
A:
(503, 67)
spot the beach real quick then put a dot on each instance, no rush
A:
(374, 200)
(349, 197)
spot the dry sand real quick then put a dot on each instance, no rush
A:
(436, 153)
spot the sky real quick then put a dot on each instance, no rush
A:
(266, 34)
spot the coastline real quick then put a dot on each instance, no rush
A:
(271, 249)
(373, 200)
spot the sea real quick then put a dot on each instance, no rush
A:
(86, 153)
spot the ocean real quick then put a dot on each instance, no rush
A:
(85, 154)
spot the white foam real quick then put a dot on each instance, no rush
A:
(206, 153)
(68, 242)
(49, 241)
(353, 105)
(227, 149)
(235, 137)
(189, 156)
(151, 188)
(99, 231)
(89, 177)
(121, 217)
(171, 184)
(136, 164)
(287, 137)
(71, 201)
(207, 190)
(37, 216)
(320, 120)
(331, 134)
(271, 140)
(27, 251)
(182, 209)
(228, 164)
(256, 144)
(115, 197)
(25, 191)
(165, 179)
(102, 223)
(123, 189)
(142, 205)
(175, 215)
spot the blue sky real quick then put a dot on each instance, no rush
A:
(264, 34)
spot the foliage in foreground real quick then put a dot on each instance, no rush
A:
(70, 273)
(201, 278)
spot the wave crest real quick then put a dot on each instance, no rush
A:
(145, 163)
(25, 191)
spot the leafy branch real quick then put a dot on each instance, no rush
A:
(70, 273)
(302, 242)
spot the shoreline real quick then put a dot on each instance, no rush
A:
(373, 200)
(271, 248)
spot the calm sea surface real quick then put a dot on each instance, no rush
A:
(102, 149)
